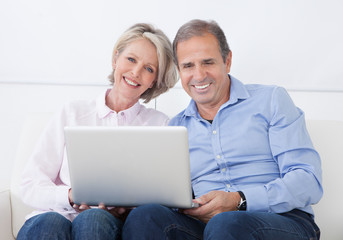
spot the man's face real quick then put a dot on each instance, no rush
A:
(203, 72)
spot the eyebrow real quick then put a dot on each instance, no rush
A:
(208, 60)
(186, 63)
(135, 56)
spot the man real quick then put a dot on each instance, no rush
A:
(254, 170)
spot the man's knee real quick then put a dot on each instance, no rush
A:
(146, 222)
(226, 224)
(154, 221)
(147, 213)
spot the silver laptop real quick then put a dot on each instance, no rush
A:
(129, 166)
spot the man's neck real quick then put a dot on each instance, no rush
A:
(207, 113)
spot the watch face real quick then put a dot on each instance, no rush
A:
(242, 205)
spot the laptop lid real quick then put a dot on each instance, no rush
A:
(129, 165)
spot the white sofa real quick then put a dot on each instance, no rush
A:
(327, 137)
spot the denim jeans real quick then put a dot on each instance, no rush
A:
(90, 224)
(158, 222)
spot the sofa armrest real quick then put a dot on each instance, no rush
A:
(6, 215)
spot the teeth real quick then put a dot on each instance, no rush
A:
(201, 87)
(130, 82)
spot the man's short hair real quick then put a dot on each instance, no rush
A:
(197, 27)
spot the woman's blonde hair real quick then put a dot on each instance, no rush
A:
(167, 75)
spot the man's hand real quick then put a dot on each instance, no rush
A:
(213, 203)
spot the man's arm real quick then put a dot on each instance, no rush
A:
(299, 184)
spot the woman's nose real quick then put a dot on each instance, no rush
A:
(136, 71)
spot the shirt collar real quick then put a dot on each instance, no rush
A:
(104, 111)
(237, 91)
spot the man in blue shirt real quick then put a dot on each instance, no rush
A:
(254, 170)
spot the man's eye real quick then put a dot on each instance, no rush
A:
(131, 59)
(150, 70)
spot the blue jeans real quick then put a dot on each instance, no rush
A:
(90, 224)
(158, 222)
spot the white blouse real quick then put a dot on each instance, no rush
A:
(45, 180)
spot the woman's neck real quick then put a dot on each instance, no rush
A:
(117, 103)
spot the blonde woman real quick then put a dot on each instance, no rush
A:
(142, 69)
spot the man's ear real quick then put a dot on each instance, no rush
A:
(228, 62)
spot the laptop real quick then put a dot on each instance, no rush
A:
(129, 165)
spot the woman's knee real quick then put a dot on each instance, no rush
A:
(96, 217)
(51, 219)
(96, 224)
(92, 214)
(49, 225)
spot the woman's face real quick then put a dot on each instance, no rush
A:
(136, 69)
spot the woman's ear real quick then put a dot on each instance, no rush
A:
(115, 57)
(153, 83)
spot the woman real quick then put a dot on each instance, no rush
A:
(142, 68)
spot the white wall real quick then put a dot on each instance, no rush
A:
(296, 44)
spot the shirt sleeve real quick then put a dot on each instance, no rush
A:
(41, 187)
(299, 184)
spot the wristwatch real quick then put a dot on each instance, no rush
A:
(242, 205)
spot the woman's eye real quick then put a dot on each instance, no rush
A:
(150, 70)
(131, 59)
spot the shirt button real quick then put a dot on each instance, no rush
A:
(224, 170)
(122, 113)
(218, 156)
(228, 185)
(214, 132)
(65, 209)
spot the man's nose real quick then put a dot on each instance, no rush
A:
(199, 73)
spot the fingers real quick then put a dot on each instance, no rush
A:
(102, 206)
(118, 212)
(121, 210)
(206, 198)
(80, 208)
(210, 205)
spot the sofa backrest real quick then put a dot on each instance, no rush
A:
(327, 137)
(32, 129)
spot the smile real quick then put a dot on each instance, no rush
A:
(131, 83)
(201, 86)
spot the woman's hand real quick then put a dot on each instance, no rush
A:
(118, 212)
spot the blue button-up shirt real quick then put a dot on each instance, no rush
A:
(258, 144)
